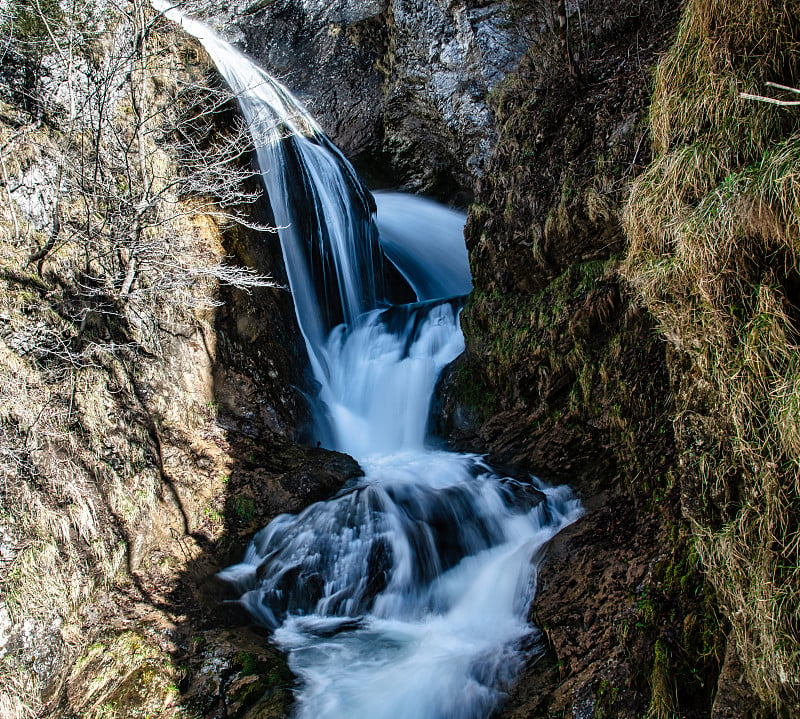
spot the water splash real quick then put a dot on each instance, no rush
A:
(375, 397)
(406, 596)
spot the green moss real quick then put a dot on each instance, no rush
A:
(677, 616)
(244, 508)
(124, 676)
(519, 334)
(646, 609)
(606, 696)
(213, 515)
(662, 685)
(246, 662)
(572, 352)
(471, 388)
(247, 692)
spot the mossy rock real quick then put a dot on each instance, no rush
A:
(224, 673)
(237, 673)
(124, 675)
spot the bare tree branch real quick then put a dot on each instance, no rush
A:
(773, 100)
(140, 158)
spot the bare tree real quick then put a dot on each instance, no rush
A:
(138, 152)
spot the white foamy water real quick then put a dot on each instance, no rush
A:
(381, 375)
(406, 595)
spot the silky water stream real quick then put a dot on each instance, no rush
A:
(407, 594)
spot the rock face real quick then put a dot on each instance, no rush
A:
(326, 53)
(176, 456)
(147, 428)
(564, 375)
(400, 85)
(444, 60)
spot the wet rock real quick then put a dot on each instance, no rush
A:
(451, 416)
(522, 494)
(320, 476)
(379, 566)
(735, 698)
(296, 591)
(400, 85)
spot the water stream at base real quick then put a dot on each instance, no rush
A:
(405, 596)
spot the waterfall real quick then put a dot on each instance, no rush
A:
(323, 213)
(407, 594)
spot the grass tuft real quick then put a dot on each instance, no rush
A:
(714, 229)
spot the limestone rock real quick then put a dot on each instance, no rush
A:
(445, 59)
(400, 85)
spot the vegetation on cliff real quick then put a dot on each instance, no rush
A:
(139, 413)
(713, 225)
(566, 375)
(558, 373)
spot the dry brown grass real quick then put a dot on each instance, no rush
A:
(714, 227)
(82, 493)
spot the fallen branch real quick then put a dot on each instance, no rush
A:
(773, 100)
(783, 87)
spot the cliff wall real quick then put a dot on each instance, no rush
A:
(401, 85)
(566, 376)
(713, 238)
(152, 380)
(632, 332)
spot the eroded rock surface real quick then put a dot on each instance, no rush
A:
(565, 376)
(400, 85)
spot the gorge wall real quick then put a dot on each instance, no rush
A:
(401, 85)
(152, 393)
(145, 437)
(565, 375)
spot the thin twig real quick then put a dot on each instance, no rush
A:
(770, 100)
(782, 87)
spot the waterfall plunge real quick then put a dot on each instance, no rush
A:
(406, 595)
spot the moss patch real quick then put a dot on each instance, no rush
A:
(124, 675)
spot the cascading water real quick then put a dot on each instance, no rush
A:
(407, 594)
